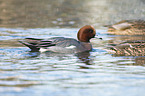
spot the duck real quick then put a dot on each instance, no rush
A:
(127, 27)
(63, 44)
(128, 48)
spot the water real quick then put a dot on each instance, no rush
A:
(89, 73)
(95, 73)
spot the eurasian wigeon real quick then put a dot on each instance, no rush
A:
(62, 44)
(127, 27)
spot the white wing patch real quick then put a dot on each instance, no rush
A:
(71, 47)
(43, 50)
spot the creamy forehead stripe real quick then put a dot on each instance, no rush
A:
(71, 47)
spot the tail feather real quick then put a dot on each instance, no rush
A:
(33, 47)
(35, 44)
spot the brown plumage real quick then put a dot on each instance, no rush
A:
(127, 27)
(129, 48)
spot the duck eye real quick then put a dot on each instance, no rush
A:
(91, 31)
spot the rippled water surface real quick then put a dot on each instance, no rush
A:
(95, 73)
(89, 73)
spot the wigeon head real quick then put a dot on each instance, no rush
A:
(86, 33)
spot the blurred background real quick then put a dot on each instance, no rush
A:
(95, 73)
(68, 13)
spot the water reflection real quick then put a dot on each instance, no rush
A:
(58, 71)
(84, 57)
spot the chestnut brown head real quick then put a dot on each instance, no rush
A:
(86, 33)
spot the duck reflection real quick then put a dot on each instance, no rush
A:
(83, 57)
(32, 54)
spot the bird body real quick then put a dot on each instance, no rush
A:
(62, 44)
